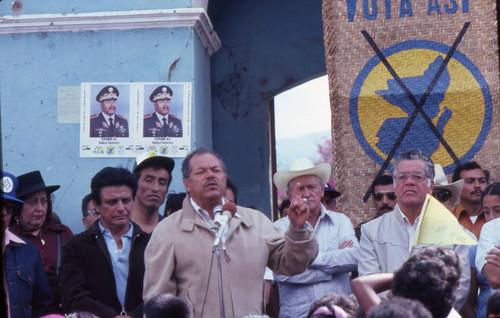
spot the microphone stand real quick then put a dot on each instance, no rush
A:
(217, 249)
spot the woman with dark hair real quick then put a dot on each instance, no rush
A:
(31, 221)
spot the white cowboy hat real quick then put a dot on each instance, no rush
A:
(301, 167)
(441, 182)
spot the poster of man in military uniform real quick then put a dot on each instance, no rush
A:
(125, 119)
(108, 123)
(161, 122)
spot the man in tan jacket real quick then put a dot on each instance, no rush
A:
(179, 258)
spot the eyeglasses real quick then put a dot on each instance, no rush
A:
(92, 212)
(442, 196)
(380, 195)
(34, 201)
(417, 176)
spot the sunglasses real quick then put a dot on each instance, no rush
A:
(379, 195)
(442, 196)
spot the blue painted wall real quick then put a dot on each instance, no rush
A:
(267, 47)
(34, 65)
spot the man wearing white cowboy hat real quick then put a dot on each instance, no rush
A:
(446, 193)
(338, 247)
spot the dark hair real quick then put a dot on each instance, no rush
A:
(111, 176)
(432, 280)
(285, 204)
(396, 307)
(415, 154)
(492, 189)
(493, 307)
(174, 202)
(381, 180)
(449, 257)
(471, 165)
(85, 202)
(344, 302)
(166, 305)
(156, 163)
(186, 165)
(231, 185)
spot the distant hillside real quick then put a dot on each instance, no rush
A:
(303, 146)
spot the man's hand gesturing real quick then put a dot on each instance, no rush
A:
(298, 211)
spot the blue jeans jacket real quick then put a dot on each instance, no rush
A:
(29, 293)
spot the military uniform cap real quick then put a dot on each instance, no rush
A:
(161, 93)
(107, 93)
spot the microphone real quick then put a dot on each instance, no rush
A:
(222, 217)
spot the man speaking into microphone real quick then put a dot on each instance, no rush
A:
(180, 260)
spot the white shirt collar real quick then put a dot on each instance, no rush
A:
(107, 117)
(160, 117)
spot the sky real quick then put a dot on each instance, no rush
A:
(303, 110)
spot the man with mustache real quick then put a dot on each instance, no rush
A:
(469, 212)
(384, 198)
(161, 123)
(386, 241)
(108, 123)
(153, 174)
(102, 269)
(180, 258)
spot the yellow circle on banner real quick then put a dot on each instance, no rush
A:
(464, 98)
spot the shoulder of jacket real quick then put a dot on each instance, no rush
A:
(94, 116)
(174, 117)
(121, 117)
(148, 116)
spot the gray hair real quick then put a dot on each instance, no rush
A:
(289, 185)
(186, 165)
(415, 154)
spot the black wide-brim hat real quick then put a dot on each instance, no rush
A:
(32, 182)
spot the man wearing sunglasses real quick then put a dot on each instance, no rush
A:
(446, 193)
(384, 198)
(386, 241)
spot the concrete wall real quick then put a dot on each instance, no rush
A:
(34, 65)
(267, 47)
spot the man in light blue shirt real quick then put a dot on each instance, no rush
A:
(102, 269)
(338, 247)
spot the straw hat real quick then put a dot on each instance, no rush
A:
(441, 182)
(301, 167)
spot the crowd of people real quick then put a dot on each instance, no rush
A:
(205, 256)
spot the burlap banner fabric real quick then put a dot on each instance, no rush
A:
(410, 74)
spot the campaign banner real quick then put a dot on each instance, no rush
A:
(409, 74)
(127, 119)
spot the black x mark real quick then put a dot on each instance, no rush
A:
(418, 104)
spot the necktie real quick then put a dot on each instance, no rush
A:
(164, 123)
(111, 126)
